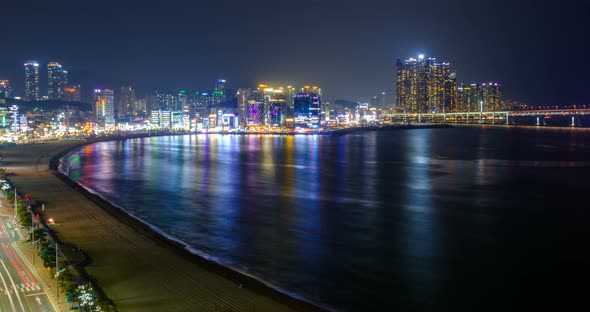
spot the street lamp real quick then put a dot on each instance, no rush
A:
(57, 271)
(15, 208)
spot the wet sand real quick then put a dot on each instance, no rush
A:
(138, 269)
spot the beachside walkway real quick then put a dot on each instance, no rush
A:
(136, 271)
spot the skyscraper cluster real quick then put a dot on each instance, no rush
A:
(57, 81)
(424, 85)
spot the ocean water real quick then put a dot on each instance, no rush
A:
(483, 218)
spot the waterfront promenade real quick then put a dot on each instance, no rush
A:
(136, 269)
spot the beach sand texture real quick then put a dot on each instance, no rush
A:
(138, 271)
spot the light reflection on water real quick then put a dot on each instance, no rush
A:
(418, 219)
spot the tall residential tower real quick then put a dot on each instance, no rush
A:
(57, 79)
(32, 81)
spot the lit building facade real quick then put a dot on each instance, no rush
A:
(104, 107)
(57, 79)
(307, 109)
(277, 109)
(32, 81)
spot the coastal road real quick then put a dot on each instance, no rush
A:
(20, 289)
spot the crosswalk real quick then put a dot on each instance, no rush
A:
(21, 288)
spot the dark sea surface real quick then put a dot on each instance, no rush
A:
(481, 218)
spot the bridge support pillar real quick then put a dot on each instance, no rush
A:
(573, 121)
(419, 118)
(538, 121)
(507, 122)
(493, 118)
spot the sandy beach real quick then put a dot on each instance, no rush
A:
(138, 269)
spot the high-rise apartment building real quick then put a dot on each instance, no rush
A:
(5, 89)
(104, 107)
(167, 101)
(491, 96)
(468, 98)
(32, 81)
(126, 102)
(424, 85)
(485, 97)
(57, 79)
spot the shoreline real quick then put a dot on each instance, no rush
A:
(132, 265)
(108, 266)
(253, 283)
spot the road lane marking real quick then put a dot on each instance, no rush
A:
(37, 294)
(13, 263)
(7, 293)
(13, 285)
(31, 279)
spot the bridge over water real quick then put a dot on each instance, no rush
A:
(539, 117)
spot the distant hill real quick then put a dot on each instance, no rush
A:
(346, 104)
(48, 105)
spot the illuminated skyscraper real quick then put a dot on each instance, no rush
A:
(126, 102)
(104, 107)
(218, 95)
(5, 89)
(31, 81)
(243, 96)
(423, 85)
(57, 79)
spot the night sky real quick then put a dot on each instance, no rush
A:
(537, 51)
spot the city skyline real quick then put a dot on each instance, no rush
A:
(348, 49)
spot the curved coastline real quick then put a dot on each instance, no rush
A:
(207, 262)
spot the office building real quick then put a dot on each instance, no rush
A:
(104, 107)
(307, 109)
(32, 81)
